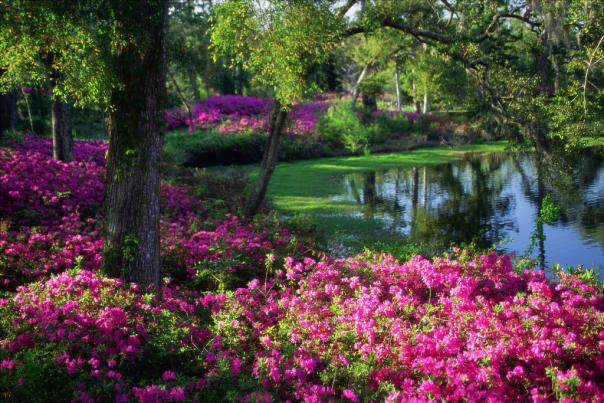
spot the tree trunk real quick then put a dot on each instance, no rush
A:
(183, 99)
(8, 111)
(269, 160)
(425, 105)
(194, 85)
(415, 100)
(397, 86)
(135, 126)
(357, 86)
(62, 140)
(545, 67)
(29, 115)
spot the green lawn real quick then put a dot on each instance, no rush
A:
(306, 186)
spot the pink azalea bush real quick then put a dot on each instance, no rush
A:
(356, 329)
(89, 338)
(304, 117)
(83, 151)
(34, 188)
(50, 220)
(373, 328)
(243, 114)
(235, 320)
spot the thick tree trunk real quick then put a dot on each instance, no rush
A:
(62, 140)
(357, 86)
(135, 125)
(397, 86)
(8, 111)
(269, 160)
(545, 67)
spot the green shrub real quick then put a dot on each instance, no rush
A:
(296, 147)
(387, 127)
(342, 126)
(209, 147)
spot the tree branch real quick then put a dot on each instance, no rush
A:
(345, 8)
(418, 33)
(499, 16)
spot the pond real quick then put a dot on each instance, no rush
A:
(489, 199)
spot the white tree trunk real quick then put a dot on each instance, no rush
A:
(357, 85)
(397, 84)
(425, 106)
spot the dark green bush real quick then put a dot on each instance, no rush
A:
(209, 147)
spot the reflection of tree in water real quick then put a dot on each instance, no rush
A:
(566, 179)
(449, 203)
(586, 210)
(372, 190)
(472, 206)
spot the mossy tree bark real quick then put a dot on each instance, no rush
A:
(135, 126)
(269, 160)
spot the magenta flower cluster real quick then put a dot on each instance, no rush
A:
(375, 329)
(83, 151)
(50, 219)
(99, 330)
(215, 109)
(304, 117)
(232, 114)
(368, 328)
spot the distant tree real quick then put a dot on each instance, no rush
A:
(537, 94)
(8, 111)
(278, 43)
(34, 48)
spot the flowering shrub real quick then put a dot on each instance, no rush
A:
(243, 114)
(350, 329)
(27, 254)
(50, 221)
(35, 189)
(84, 151)
(244, 124)
(304, 117)
(214, 109)
(376, 329)
(356, 329)
(82, 336)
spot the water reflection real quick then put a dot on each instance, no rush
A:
(489, 199)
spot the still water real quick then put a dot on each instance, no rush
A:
(488, 200)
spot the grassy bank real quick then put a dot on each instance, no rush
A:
(308, 189)
(307, 186)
